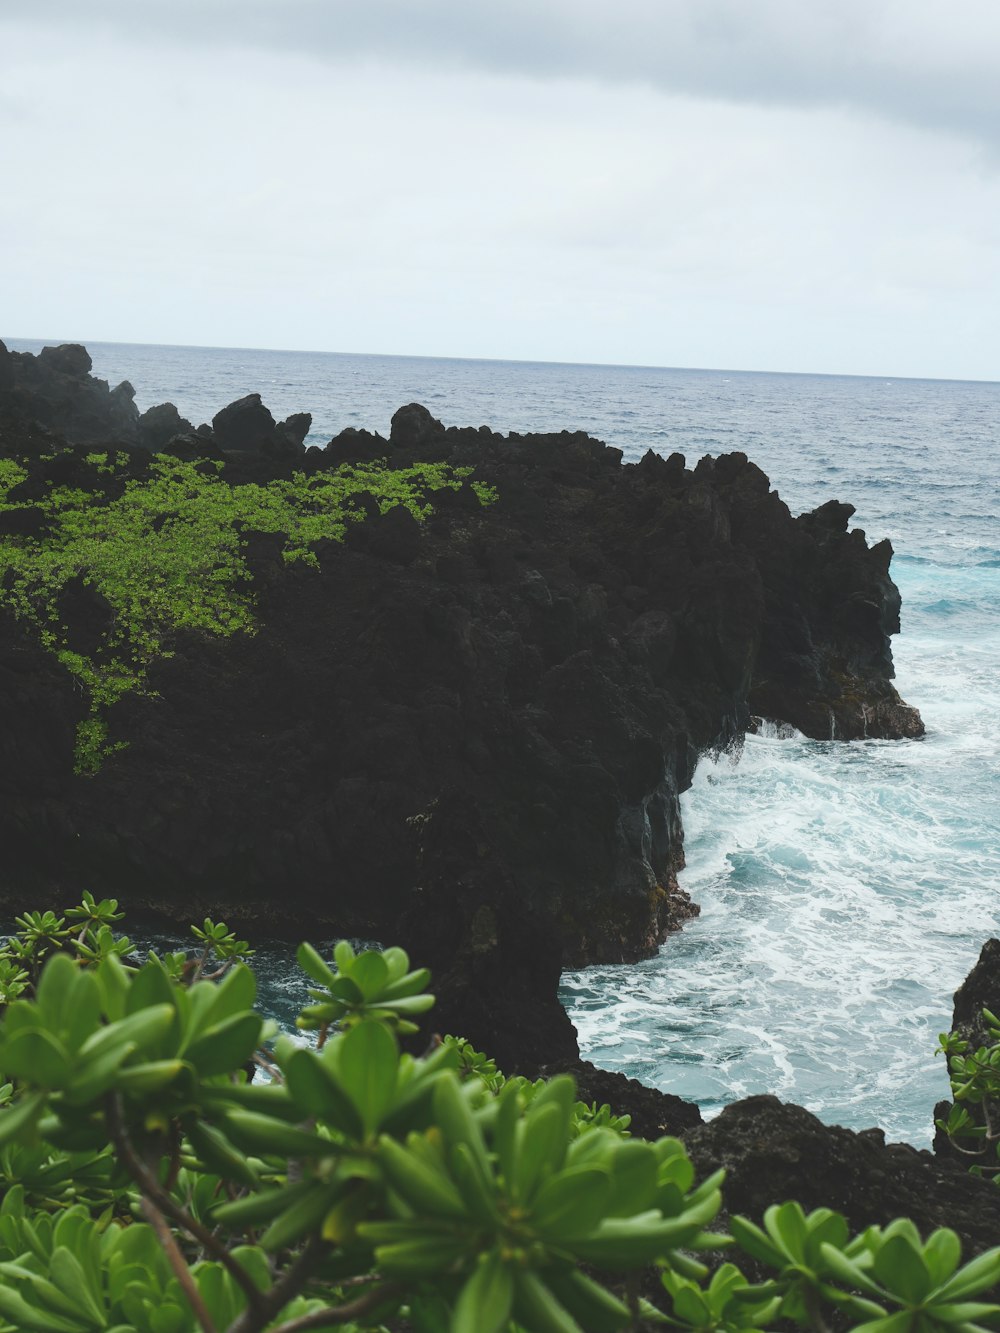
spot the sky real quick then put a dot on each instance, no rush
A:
(746, 184)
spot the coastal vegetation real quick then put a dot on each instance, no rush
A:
(159, 541)
(151, 1183)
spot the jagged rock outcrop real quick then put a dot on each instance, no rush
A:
(248, 426)
(159, 425)
(773, 1151)
(55, 390)
(467, 736)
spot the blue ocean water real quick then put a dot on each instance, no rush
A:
(845, 889)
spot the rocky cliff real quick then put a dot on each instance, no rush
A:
(466, 735)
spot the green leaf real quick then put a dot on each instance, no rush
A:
(219, 1155)
(370, 974)
(305, 1215)
(263, 1207)
(537, 1308)
(849, 1271)
(138, 1080)
(150, 986)
(343, 955)
(316, 1090)
(421, 1186)
(900, 1322)
(977, 1275)
(261, 1133)
(97, 1075)
(396, 961)
(633, 1179)
(168, 1318)
(900, 1267)
(967, 1312)
(541, 1148)
(409, 985)
(36, 1057)
(942, 1254)
(313, 965)
(227, 1047)
(24, 1316)
(85, 1015)
(475, 1184)
(630, 1242)
(594, 1308)
(69, 1276)
(484, 1303)
(347, 990)
(367, 1061)
(786, 1225)
(453, 1115)
(145, 1028)
(572, 1203)
(15, 1119)
(55, 988)
(235, 993)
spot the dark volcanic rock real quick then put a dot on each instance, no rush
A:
(980, 990)
(247, 426)
(244, 424)
(772, 1152)
(294, 429)
(69, 359)
(652, 1114)
(413, 425)
(467, 736)
(159, 425)
(55, 390)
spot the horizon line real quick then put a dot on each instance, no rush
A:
(506, 360)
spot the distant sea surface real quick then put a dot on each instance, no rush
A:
(845, 890)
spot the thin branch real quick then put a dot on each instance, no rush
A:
(177, 1262)
(340, 1314)
(169, 1206)
(287, 1287)
(260, 1059)
(966, 1152)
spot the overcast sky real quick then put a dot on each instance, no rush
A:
(753, 184)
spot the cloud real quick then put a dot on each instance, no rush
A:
(913, 61)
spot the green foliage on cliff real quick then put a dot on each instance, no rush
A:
(972, 1122)
(149, 1186)
(166, 554)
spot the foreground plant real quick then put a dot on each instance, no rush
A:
(152, 1186)
(972, 1124)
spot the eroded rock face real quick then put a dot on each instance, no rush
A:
(467, 736)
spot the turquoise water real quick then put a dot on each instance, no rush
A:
(845, 889)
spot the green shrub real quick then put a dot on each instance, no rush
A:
(150, 1185)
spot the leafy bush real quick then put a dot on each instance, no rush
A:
(152, 1184)
(975, 1086)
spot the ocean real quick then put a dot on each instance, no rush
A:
(845, 890)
